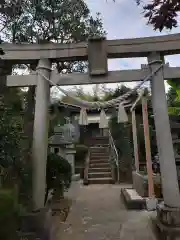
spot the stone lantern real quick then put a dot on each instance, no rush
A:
(62, 143)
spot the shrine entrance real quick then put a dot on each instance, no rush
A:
(97, 51)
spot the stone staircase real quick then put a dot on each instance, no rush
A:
(99, 171)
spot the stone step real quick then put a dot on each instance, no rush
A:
(102, 142)
(99, 148)
(100, 181)
(99, 165)
(100, 151)
(103, 154)
(98, 170)
(97, 159)
(98, 142)
(99, 154)
(106, 155)
(99, 175)
(99, 162)
(100, 137)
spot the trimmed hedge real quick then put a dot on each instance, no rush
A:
(58, 173)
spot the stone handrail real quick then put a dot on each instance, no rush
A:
(86, 169)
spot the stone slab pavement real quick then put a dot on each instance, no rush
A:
(99, 213)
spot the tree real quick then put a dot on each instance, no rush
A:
(10, 130)
(79, 92)
(161, 14)
(120, 90)
(173, 98)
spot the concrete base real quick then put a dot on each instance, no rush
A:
(151, 204)
(168, 222)
(132, 199)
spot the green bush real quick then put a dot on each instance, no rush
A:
(9, 213)
(58, 173)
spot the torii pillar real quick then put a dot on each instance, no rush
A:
(168, 212)
(40, 134)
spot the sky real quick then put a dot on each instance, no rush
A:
(124, 19)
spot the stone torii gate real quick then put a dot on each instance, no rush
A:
(97, 51)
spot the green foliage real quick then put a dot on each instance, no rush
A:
(174, 111)
(161, 14)
(7, 202)
(120, 90)
(121, 133)
(10, 130)
(58, 173)
(80, 93)
(60, 20)
(174, 91)
(9, 139)
(9, 213)
(121, 136)
(173, 97)
(15, 170)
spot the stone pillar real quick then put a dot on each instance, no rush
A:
(168, 212)
(40, 134)
(70, 153)
(169, 179)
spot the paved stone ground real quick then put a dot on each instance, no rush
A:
(98, 213)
